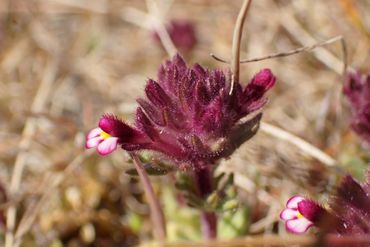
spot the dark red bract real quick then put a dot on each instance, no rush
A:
(189, 116)
(357, 91)
(182, 34)
(352, 206)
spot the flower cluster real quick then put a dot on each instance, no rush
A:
(188, 115)
(182, 34)
(357, 91)
(348, 211)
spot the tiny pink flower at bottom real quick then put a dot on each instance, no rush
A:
(104, 143)
(295, 222)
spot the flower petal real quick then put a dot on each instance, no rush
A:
(113, 126)
(289, 214)
(298, 225)
(94, 133)
(312, 211)
(107, 146)
(265, 79)
(93, 142)
(293, 201)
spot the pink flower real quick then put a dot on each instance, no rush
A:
(295, 222)
(348, 211)
(104, 143)
(110, 133)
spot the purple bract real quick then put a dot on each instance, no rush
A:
(357, 90)
(189, 116)
(182, 34)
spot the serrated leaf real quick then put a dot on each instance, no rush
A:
(152, 170)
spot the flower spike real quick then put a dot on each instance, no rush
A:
(188, 115)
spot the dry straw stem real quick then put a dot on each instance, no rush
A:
(145, 20)
(235, 49)
(272, 240)
(156, 213)
(160, 28)
(298, 142)
(290, 23)
(296, 51)
(137, 17)
(98, 7)
(29, 129)
(51, 183)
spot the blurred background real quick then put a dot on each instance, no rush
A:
(63, 63)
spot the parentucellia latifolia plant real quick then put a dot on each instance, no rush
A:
(191, 118)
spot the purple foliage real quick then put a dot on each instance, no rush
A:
(182, 34)
(352, 206)
(357, 90)
(189, 116)
(312, 211)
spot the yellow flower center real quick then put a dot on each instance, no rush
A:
(299, 215)
(104, 135)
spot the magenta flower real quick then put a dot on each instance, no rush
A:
(357, 90)
(351, 204)
(104, 142)
(348, 211)
(298, 214)
(110, 133)
(188, 115)
(182, 34)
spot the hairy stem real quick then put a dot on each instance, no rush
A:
(205, 186)
(209, 225)
(235, 49)
(156, 213)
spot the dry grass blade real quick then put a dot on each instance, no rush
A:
(137, 17)
(27, 134)
(161, 28)
(298, 142)
(235, 49)
(295, 51)
(302, 36)
(52, 183)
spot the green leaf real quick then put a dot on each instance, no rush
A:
(233, 225)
